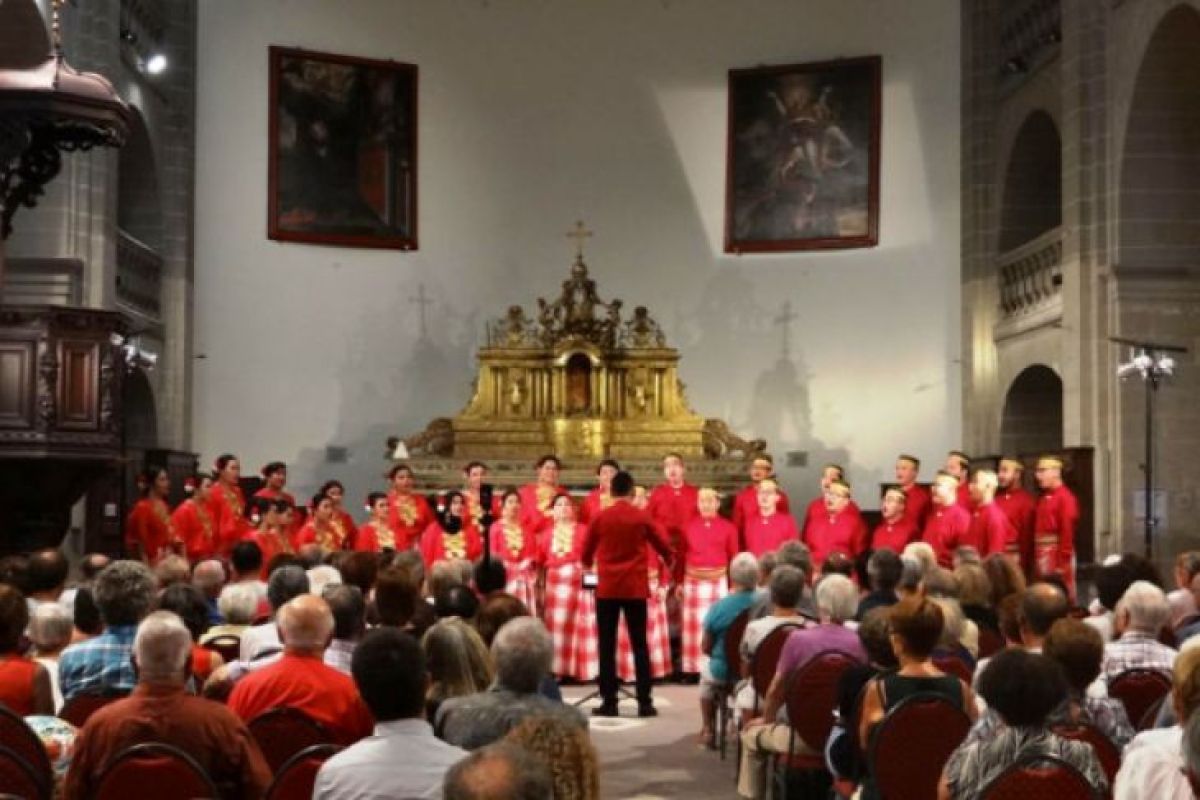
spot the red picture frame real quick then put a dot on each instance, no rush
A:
(342, 160)
(802, 161)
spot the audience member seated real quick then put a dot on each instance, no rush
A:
(238, 604)
(792, 553)
(975, 596)
(1111, 581)
(161, 710)
(844, 756)
(1004, 579)
(960, 636)
(714, 672)
(442, 575)
(25, 685)
(923, 553)
(85, 615)
(50, 630)
(1079, 650)
(246, 565)
(490, 577)
(521, 655)
(912, 573)
(883, 575)
(837, 600)
(1181, 599)
(965, 556)
(124, 594)
(459, 663)
(916, 630)
(285, 584)
(171, 570)
(566, 752)
(1141, 615)
(349, 624)
(187, 603)
(1042, 605)
(91, 565)
(1153, 763)
(398, 602)
(46, 572)
(457, 601)
(1185, 634)
(838, 564)
(209, 577)
(360, 568)
(498, 609)
(502, 771)
(402, 758)
(1023, 688)
(301, 679)
(787, 584)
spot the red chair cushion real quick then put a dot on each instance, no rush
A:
(283, 732)
(154, 770)
(1052, 780)
(25, 745)
(912, 744)
(811, 696)
(18, 779)
(77, 710)
(1106, 752)
(298, 776)
(1139, 690)
(766, 657)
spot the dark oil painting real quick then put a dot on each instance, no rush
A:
(803, 157)
(343, 150)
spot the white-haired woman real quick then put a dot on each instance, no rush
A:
(50, 630)
(709, 543)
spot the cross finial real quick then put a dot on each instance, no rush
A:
(422, 300)
(785, 319)
(579, 233)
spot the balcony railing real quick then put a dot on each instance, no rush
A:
(1031, 275)
(139, 276)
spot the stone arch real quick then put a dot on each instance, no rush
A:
(1159, 200)
(1032, 199)
(139, 205)
(1032, 419)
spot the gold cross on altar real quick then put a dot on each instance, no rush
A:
(579, 233)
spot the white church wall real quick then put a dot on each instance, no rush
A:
(534, 114)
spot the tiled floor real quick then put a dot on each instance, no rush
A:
(647, 759)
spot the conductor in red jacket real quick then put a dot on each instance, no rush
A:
(617, 542)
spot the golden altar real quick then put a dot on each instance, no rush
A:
(578, 379)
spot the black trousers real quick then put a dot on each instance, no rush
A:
(608, 615)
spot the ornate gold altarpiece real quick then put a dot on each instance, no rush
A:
(579, 380)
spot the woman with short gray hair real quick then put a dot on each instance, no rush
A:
(743, 579)
(50, 630)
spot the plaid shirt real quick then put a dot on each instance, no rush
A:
(100, 665)
(1136, 650)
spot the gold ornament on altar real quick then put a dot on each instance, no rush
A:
(576, 379)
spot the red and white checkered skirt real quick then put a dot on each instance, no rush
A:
(699, 595)
(570, 616)
(522, 584)
(658, 638)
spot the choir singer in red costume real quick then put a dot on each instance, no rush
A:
(1054, 525)
(840, 529)
(745, 504)
(916, 496)
(895, 531)
(948, 526)
(990, 529)
(1019, 507)
(771, 526)
(616, 543)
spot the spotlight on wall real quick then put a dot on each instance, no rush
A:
(156, 64)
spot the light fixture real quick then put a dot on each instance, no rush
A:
(156, 64)
(1152, 363)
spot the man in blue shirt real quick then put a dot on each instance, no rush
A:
(743, 579)
(124, 594)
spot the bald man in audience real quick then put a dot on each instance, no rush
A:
(301, 679)
(161, 710)
(1042, 605)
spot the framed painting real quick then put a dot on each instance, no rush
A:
(802, 169)
(343, 150)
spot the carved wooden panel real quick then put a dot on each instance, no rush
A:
(17, 387)
(78, 397)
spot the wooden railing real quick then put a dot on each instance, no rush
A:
(139, 275)
(1031, 275)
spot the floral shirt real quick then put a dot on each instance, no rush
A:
(974, 765)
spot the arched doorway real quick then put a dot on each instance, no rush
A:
(141, 416)
(1032, 200)
(1160, 166)
(1033, 412)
